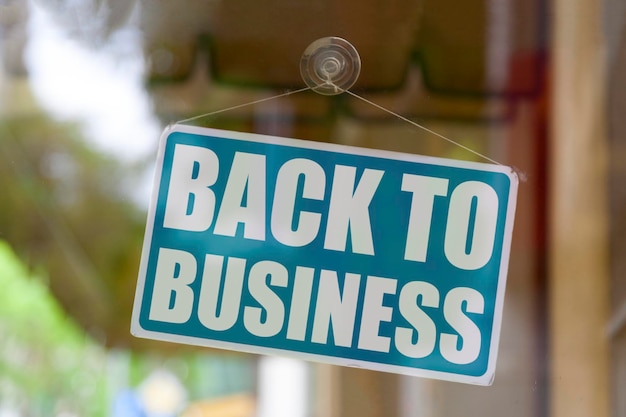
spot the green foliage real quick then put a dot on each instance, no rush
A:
(65, 211)
(46, 360)
(65, 208)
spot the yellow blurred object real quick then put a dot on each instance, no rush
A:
(241, 405)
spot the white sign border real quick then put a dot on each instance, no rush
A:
(484, 379)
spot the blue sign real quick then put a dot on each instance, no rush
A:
(349, 256)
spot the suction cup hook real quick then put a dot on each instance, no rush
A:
(330, 65)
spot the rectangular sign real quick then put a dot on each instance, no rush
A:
(349, 256)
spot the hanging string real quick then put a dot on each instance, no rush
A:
(288, 93)
(371, 103)
(411, 122)
(521, 175)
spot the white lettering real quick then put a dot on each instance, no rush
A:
(210, 292)
(424, 190)
(374, 312)
(172, 298)
(468, 332)
(349, 209)
(220, 302)
(246, 179)
(271, 303)
(336, 307)
(190, 202)
(423, 326)
(283, 207)
(300, 303)
(469, 244)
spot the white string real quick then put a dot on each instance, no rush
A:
(288, 93)
(439, 135)
(371, 103)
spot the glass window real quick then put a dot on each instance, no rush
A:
(87, 87)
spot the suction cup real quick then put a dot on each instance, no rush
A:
(330, 65)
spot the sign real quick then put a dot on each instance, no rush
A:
(349, 256)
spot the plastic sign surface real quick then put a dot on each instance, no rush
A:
(349, 256)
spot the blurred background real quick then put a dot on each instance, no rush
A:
(86, 87)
